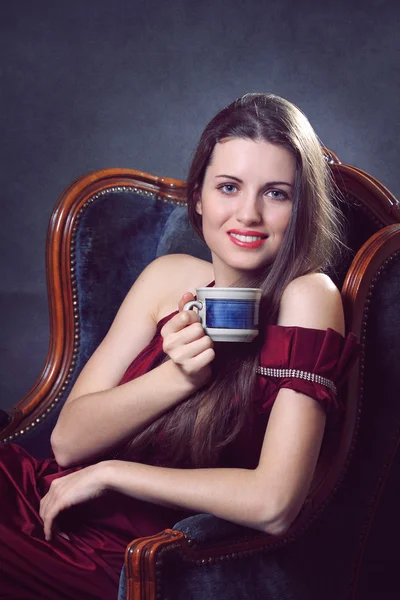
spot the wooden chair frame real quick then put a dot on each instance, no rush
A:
(143, 555)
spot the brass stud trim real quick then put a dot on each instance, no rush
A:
(75, 299)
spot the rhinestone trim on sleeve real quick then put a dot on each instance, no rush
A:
(268, 372)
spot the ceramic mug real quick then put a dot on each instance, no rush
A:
(228, 314)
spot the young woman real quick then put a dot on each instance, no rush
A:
(191, 425)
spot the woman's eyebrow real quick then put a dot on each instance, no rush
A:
(279, 183)
(267, 183)
(231, 177)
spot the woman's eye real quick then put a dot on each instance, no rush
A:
(277, 194)
(228, 188)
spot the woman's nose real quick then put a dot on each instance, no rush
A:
(249, 210)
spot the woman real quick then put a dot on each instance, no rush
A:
(195, 428)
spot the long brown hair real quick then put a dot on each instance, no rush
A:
(196, 431)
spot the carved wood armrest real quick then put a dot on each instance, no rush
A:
(144, 557)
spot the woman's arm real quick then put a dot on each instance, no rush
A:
(98, 413)
(270, 496)
(266, 498)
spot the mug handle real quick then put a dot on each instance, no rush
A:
(192, 304)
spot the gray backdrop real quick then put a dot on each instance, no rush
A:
(94, 84)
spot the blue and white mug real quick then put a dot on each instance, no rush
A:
(228, 314)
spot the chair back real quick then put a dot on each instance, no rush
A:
(105, 228)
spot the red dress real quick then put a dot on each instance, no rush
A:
(88, 565)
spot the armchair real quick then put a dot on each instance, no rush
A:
(105, 228)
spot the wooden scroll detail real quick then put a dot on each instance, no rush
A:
(373, 197)
(60, 272)
(143, 557)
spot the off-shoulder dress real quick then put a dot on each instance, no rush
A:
(88, 565)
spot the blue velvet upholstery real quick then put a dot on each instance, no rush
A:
(109, 259)
(117, 236)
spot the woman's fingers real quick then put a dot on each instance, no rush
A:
(50, 505)
(69, 490)
(47, 515)
(48, 524)
(182, 338)
(187, 344)
(183, 318)
(182, 353)
(188, 297)
(180, 322)
(200, 361)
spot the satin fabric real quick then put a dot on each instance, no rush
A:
(88, 565)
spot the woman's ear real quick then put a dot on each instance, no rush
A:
(197, 198)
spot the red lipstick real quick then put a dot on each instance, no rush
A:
(246, 238)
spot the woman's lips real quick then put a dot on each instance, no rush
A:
(247, 239)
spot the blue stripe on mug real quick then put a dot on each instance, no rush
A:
(230, 314)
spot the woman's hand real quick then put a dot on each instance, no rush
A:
(72, 489)
(187, 345)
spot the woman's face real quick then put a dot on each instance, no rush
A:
(246, 204)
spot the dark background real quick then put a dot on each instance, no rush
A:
(94, 84)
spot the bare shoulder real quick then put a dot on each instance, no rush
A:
(177, 265)
(175, 274)
(155, 294)
(313, 301)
